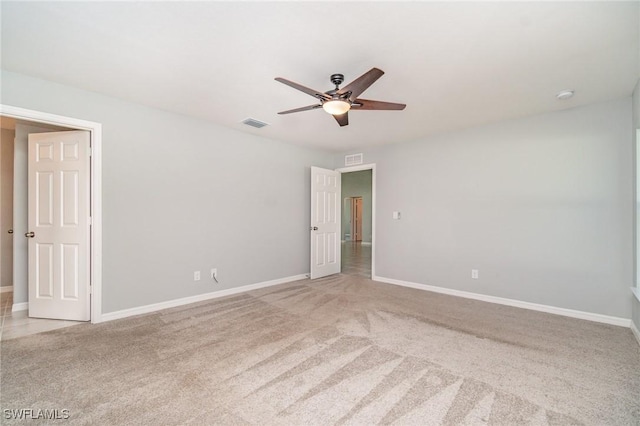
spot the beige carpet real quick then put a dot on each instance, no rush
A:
(340, 350)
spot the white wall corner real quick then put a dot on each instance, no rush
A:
(589, 316)
(110, 316)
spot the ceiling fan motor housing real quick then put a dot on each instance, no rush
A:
(337, 79)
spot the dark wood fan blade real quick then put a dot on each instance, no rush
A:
(314, 93)
(307, 108)
(366, 104)
(362, 83)
(342, 119)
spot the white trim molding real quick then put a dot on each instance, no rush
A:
(96, 189)
(198, 298)
(636, 292)
(635, 332)
(589, 316)
(20, 307)
(6, 289)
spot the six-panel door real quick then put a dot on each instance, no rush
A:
(325, 222)
(59, 210)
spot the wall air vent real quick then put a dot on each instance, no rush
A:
(353, 159)
(254, 123)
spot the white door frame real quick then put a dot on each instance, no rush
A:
(95, 129)
(359, 168)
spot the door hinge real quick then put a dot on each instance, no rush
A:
(90, 151)
(90, 221)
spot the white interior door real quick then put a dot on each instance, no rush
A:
(325, 222)
(59, 223)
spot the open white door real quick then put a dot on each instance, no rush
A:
(59, 223)
(325, 222)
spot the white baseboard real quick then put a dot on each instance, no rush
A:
(198, 298)
(635, 331)
(606, 319)
(20, 307)
(366, 243)
(6, 289)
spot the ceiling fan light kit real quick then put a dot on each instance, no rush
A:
(336, 106)
(338, 102)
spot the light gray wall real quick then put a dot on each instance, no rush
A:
(6, 204)
(20, 216)
(181, 194)
(357, 184)
(542, 206)
(634, 129)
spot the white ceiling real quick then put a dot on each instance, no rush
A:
(454, 64)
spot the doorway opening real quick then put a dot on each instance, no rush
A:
(358, 220)
(51, 123)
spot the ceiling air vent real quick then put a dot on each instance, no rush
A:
(353, 159)
(254, 123)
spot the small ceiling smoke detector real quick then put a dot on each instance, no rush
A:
(565, 94)
(254, 123)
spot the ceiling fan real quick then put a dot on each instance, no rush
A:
(338, 102)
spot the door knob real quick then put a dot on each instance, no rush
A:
(10, 231)
(313, 228)
(30, 234)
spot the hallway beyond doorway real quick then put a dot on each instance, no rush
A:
(356, 258)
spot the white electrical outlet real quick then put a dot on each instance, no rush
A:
(214, 274)
(474, 274)
(196, 276)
